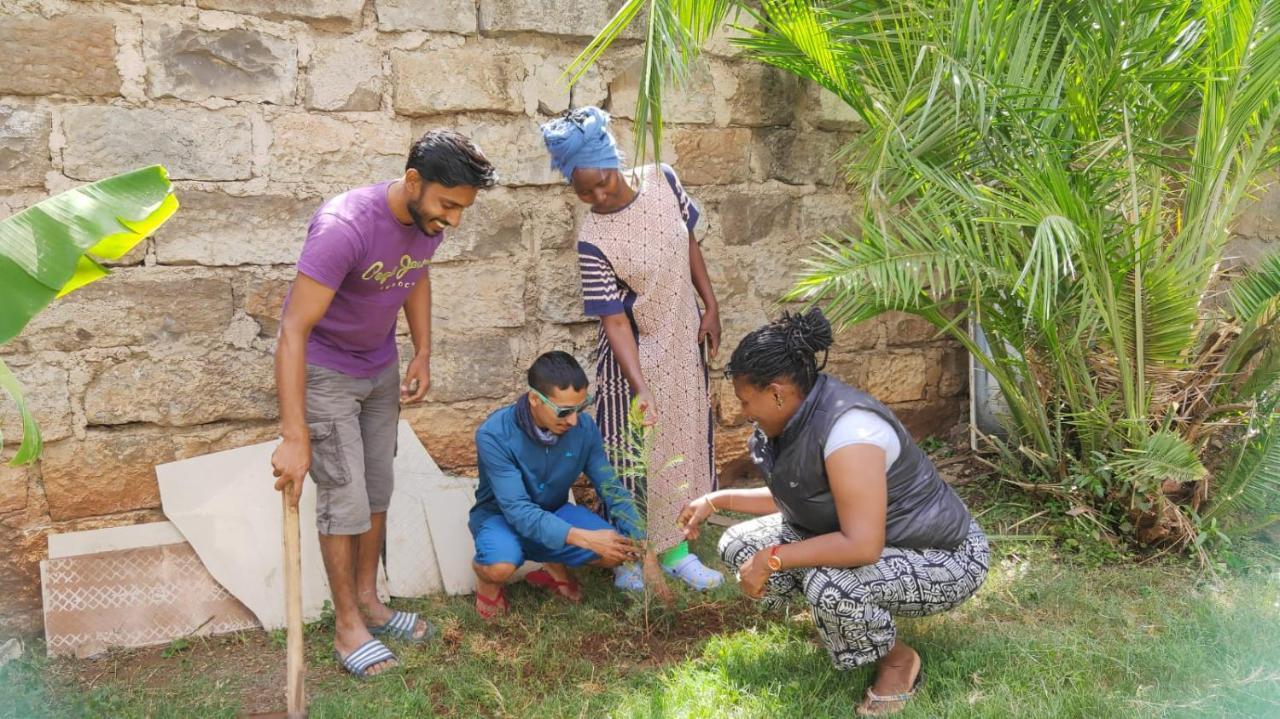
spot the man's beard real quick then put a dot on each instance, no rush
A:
(422, 222)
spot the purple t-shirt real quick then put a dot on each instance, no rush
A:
(357, 248)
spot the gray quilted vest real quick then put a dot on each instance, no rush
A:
(923, 512)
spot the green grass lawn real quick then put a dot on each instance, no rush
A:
(1043, 638)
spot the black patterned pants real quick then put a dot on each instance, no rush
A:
(853, 607)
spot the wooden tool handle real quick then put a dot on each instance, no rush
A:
(295, 691)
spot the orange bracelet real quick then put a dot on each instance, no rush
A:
(709, 504)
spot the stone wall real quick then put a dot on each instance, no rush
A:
(261, 114)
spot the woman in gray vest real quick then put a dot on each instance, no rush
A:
(854, 516)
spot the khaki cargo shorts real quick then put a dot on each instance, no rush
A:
(352, 421)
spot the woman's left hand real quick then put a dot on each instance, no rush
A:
(709, 330)
(754, 575)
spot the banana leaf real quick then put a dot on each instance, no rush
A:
(57, 246)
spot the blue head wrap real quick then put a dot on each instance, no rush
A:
(581, 139)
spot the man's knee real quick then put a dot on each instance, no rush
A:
(496, 573)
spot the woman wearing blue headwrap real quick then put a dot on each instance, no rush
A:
(642, 275)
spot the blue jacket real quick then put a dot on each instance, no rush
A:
(526, 481)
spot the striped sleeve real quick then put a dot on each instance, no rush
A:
(688, 210)
(601, 290)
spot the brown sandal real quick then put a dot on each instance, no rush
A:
(490, 609)
(882, 704)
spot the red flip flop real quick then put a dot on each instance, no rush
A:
(490, 609)
(543, 578)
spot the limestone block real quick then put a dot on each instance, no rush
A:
(24, 146)
(801, 157)
(44, 386)
(344, 74)
(764, 96)
(560, 287)
(261, 295)
(695, 103)
(113, 470)
(193, 144)
(719, 156)
(550, 17)
(546, 90)
(67, 55)
(954, 378)
(13, 488)
(214, 228)
(330, 14)
(448, 431)
(240, 64)
(133, 307)
(492, 227)
(466, 79)
(767, 217)
(484, 293)
(894, 376)
(1260, 216)
(827, 213)
(470, 365)
(728, 408)
(514, 145)
(430, 15)
(182, 391)
(550, 215)
(907, 329)
(930, 418)
(326, 152)
(20, 611)
(825, 110)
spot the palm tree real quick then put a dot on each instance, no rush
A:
(1062, 174)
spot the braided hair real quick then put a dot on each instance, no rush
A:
(786, 347)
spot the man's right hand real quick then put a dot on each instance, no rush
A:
(611, 546)
(290, 463)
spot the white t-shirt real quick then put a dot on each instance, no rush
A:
(862, 426)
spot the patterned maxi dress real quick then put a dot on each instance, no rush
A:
(636, 260)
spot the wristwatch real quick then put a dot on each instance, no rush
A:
(775, 562)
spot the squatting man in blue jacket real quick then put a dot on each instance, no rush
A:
(530, 453)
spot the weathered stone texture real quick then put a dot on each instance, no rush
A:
(45, 390)
(24, 146)
(513, 145)
(431, 15)
(182, 390)
(559, 288)
(470, 295)
(764, 96)
(331, 154)
(13, 488)
(239, 64)
(749, 217)
(493, 227)
(695, 103)
(113, 470)
(707, 157)
(67, 55)
(214, 228)
(476, 78)
(470, 365)
(262, 295)
(344, 74)
(801, 156)
(145, 307)
(550, 17)
(192, 144)
(337, 14)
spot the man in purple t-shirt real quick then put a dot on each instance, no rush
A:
(367, 254)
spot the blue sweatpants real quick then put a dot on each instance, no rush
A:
(498, 543)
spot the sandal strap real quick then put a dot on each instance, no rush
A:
(366, 655)
(401, 625)
(885, 698)
(498, 601)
